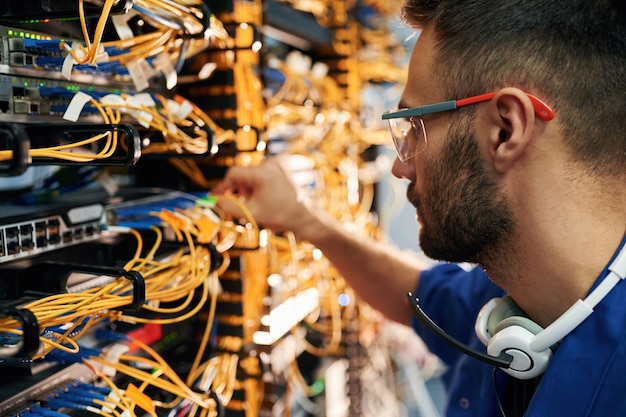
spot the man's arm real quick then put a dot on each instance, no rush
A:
(379, 273)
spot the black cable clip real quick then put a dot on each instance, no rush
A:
(14, 134)
(29, 344)
(139, 284)
(139, 290)
(60, 272)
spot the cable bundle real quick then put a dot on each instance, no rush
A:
(183, 126)
(181, 29)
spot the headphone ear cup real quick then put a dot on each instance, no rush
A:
(498, 314)
(507, 313)
(515, 341)
(510, 331)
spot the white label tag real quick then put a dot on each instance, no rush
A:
(120, 23)
(76, 106)
(138, 75)
(163, 63)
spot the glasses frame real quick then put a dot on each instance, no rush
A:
(542, 110)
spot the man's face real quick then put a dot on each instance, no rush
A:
(462, 213)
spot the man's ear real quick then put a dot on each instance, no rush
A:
(511, 118)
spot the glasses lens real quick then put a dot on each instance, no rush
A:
(409, 136)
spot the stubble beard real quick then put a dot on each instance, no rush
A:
(463, 215)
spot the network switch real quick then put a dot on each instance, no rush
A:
(24, 234)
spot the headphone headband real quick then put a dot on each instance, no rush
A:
(518, 348)
(578, 312)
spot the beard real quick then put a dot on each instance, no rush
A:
(463, 215)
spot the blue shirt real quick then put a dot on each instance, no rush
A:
(586, 375)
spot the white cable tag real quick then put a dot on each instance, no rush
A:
(180, 110)
(102, 56)
(69, 61)
(171, 127)
(138, 101)
(163, 63)
(120, 23)
(114, 100)
(138, 75)
(68, 64)
(112, 355)
(76, 106)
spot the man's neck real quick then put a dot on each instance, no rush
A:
(556, 266)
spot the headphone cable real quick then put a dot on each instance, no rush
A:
(495, 389)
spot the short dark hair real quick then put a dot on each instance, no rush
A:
(572, 54)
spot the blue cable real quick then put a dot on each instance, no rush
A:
(110, 336)
(55, 403)
(94, 388)
(87, 393)
(44, 412)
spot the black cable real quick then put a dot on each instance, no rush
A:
(495, 389)
(503, 360)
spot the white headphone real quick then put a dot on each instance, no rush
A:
(504, 328)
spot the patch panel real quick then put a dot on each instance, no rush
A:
(19, 239)
(35, 54)
(28, 97)
(20, 397)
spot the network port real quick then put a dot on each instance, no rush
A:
(26, 230)
(40, 234)
(27, 244)
(13, 247)
(12, 240)
(67, 236)
(17, 44)
(17, 59)
(54, 234)
(26, 237)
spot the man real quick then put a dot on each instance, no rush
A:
(526, 178)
